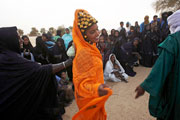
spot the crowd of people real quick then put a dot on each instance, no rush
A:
(134, 45)
(131, 45)
(120, 51)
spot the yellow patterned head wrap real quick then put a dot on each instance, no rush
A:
(85, 20)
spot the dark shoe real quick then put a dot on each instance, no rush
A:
(129, 71)
(136, 65)
(132, 74)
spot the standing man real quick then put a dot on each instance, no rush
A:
(163, 83)
(58, 35)
(143, 24)
(128, 25)
(121, 26)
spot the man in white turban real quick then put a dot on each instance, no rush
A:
(174, 22)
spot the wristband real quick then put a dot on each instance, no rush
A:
(64, 65)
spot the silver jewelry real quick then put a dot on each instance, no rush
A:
(64, 65)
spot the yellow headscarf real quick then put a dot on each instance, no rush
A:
(146, 20)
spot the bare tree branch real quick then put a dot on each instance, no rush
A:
(167, 5)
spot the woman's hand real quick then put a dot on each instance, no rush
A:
(102, 91)
(139, 92)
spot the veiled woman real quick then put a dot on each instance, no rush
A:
(90, 91)
(28, 91)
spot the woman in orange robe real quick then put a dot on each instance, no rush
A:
(90, 91)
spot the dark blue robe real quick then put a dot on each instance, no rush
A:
(28, 91)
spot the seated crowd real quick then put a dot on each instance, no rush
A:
(121, 50)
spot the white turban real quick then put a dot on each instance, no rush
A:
(174, 22)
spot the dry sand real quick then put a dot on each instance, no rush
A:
(122, 105)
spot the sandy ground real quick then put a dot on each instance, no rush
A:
(122, 105)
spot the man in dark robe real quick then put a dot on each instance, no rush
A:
(155, 38)
(28, 91)
(164, 26)
(128, 56)
(147, 47)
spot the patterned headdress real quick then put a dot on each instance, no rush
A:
(85, 20)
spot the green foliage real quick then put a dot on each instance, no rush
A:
(52, 30)
(70, 27)
(34, 32)
(62, 28)
(21, 32)
(43, 30)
